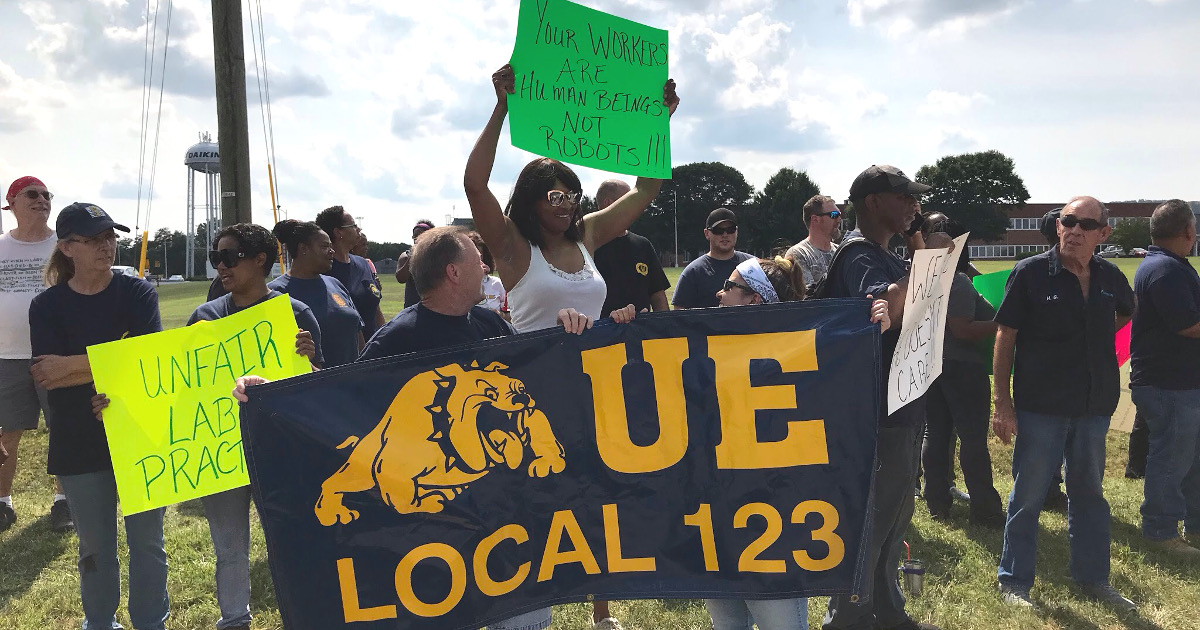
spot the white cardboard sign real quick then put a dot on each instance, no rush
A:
(917, 361)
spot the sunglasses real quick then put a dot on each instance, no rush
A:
(1070, 221)
(833, 215)
(231, 257)
(720, 231)
(557, 197)
(34, 194)
(730, 284)
(348, 226)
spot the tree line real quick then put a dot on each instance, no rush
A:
(977, 189)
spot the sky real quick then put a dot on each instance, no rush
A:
(376, 105)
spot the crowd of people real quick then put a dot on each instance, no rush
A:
(1055, 389)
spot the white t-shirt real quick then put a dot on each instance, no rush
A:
(21, 265)
(494, 295)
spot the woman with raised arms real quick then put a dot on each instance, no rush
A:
(543, 245)
(541, 242)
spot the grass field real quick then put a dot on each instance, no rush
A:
(39, 587)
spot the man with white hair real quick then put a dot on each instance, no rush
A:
(1060, 314)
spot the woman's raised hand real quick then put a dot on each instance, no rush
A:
(504, 81)
(670, 98)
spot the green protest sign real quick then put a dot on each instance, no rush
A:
(991, 287)
(172, 425)
(589, 89)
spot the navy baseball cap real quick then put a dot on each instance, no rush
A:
(884, 178)
(84, 219)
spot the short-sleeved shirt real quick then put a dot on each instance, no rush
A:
(335, 313)
(866, 268)
(1066, 358)
(224, 307)
(21, 265)
(965, 301)
(815, 262)
(702, 278)
(630, 268)
(361, 281)
(1168, 301)
(417, 328)
(65, 323)
(495, 298)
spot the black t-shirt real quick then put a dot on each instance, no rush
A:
(1168, 301)
(865, 269)
(65, 323)
(702, 278)
(224, 307)
(630, 268)
(1066, 358)
(360, 279)
(417, 328)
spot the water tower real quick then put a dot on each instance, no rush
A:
(203, 158)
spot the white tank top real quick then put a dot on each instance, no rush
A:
(544, 290)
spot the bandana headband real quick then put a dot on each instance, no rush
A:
(752, 272)
(21, 184)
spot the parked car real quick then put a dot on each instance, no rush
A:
(1112, 251)
(174, 278)
(1138, 252)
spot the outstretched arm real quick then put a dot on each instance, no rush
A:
(495, 228)
(611, 222)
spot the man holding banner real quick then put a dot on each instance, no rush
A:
(1060, 314)
(884, 198)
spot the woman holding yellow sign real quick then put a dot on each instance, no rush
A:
(87, 304)
(243, 257)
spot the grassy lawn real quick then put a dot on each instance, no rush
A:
(39, 584)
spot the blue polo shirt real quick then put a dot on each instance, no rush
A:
(1168, 296)
(1066, 358)
(865, 269)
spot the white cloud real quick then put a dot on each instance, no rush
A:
(944, 103)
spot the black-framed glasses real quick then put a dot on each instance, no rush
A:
(557, 197)
(1069, 221)
(835, 214)
(721, 231)
(730, 284)
(231, 257)
(34, 194)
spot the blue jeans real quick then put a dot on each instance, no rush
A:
(93, 501)
(1173, 464)
(532, 620)
(769, 614)
(1043, 442)
(897, 454)
(228, 516)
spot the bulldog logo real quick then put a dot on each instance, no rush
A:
(445, 429)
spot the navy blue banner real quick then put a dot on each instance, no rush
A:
(716, 453)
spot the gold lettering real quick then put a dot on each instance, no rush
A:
(483, 579)
(612, 542)
(603, 366)
(564, 521)
(739, 400)
(458, 579)
(350, 605)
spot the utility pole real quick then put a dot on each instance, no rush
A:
(233, 133)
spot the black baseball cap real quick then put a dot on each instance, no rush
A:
(84, 219)
(884, 178)
(719, 215)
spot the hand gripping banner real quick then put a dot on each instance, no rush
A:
(713, 453)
